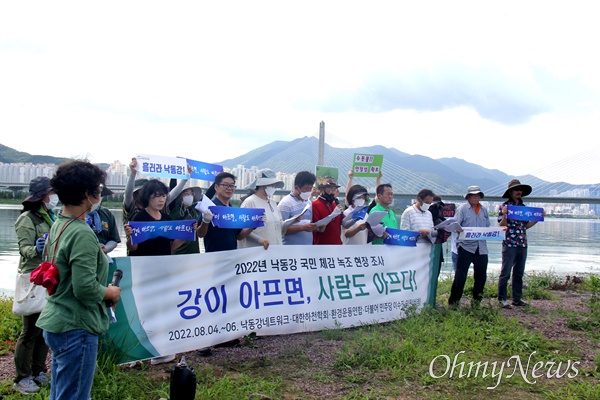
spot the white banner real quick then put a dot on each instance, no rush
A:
(173, 304)
(491, 233)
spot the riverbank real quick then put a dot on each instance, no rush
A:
(404, 359)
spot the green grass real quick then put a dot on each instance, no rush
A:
(381, 361)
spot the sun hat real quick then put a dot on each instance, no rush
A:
(516, 184)
(266, 177)
(106, 191)
(196, 190)
(38, 189)
(137, 185)
(328, 182)
(473, 190)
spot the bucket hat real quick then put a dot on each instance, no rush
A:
(516, 184)
(266, 177)
(473, 190)
(196, 190)
(38, 189)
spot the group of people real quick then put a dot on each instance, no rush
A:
(79, 238)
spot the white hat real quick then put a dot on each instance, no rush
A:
(197, 191)
(266, 177)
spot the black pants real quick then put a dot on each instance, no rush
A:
(480, 262)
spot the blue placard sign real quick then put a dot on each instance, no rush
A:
(144, 230)
(399, 237)
(524, 213)
(204, 171)
(237, 218)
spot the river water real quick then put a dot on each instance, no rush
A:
(558, 245)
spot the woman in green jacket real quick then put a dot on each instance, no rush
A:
(31, 227)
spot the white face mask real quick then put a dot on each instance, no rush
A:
(95, 206)
(359, 202)
(188, 200)
(425, 207)
(270, 190)
(52, 202)
(305, 195)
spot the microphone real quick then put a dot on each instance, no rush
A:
(116, 280)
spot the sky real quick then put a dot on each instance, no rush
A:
(509, 85)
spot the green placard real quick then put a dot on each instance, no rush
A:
(367, 164)
(323, 173)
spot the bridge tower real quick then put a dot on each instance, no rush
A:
(321, 143)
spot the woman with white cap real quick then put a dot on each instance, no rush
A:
(264, 186)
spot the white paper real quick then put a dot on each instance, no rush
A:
(375, 217)
(356, 210)
(113, 317)
(336, 211)
(203, 204)
(450, 225)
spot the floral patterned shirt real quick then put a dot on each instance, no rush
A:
(516, 231)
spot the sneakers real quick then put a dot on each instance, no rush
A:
(505, 304)
(162, 360)
(520, 303)
(41, 379)
(27, 386)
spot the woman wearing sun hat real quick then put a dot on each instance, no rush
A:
(263, 188)
(31, 228)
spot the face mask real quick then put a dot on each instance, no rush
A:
(270, 190)
(188, 200)
(95, 206)
(328, 197)
(359, 202)
(425, 207)
(305, 195)
(52, 202)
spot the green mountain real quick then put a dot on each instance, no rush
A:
(9, 155)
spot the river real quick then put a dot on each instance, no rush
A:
(559, 245)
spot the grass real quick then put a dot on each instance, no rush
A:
(409, 358)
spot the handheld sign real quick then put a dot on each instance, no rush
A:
(492, 233)
(162, 167)
(237, 218)
(204, 171)
(524, 213)
(144, 230)
(399, 237)
(367, 165)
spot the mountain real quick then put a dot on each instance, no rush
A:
(9, 155)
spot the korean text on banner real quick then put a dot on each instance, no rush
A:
(367, 164)
(204, 299)
(162, 167)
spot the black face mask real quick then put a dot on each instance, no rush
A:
(328, 197)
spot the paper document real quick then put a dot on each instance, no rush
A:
(336, 211)
(290, 221)
(450, 225)
(203, 204)
(375, 217)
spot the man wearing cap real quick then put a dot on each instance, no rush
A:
(300, 232)
(322, 207)
(471, 214)
(514, 245)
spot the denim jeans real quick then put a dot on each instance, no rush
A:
(73, 364)
(513, 260)
(31, 350)
(480, 262)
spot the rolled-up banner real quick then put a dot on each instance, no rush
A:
(491, 233)
(237, 218)
(524, 213)
(144, 230)
(399, 237)
(204, 171)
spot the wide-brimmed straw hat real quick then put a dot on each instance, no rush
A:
(38, 189)
(473, 190)
(516, 184)
(266, 177)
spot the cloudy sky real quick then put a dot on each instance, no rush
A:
(513, 86)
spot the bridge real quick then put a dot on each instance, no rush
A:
(119, 189)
